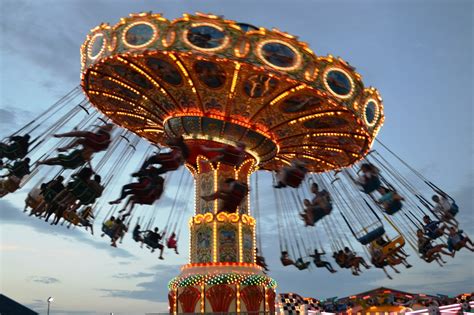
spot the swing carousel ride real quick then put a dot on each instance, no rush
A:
(227, 100)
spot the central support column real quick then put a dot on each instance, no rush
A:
(221, 275)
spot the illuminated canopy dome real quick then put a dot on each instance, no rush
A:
(207, 78)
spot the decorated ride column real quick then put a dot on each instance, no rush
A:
(222, 275)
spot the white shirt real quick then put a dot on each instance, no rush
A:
(442, 206)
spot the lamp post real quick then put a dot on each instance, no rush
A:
(50, 299)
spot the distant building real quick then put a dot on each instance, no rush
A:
(11, 307)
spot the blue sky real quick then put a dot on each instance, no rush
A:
(419, 54)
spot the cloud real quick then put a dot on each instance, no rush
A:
(133, 275)
(155, 290)
(44, 280)
(12, 215)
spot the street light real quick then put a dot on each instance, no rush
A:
(50, 299)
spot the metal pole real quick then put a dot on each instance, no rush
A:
(48, 306)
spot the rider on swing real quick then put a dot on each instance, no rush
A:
(232, 192)
(292, 175)
(95, 141)
(169, 161)
(16, 149)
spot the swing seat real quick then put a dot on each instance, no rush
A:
(302, 265)
(294, 177)
(71, 217)
(72, 160)
(394, 207)
(83, 192)
(394, 245)
(231, 156)
(13, 151)
(171, 244)
(34, 198)
(235, 198)
(150, 243)
(97, 142)
(454, 209)
(107, 231)
(287, 261)
(11, 184)
(372, 185)
(371, 236)
(170, 161)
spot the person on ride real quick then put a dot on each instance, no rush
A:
(320, 206)
(153, 239)
(147, 181)
(302, 265)
(390, 201)
(67, 197)
(49, 191)
(20, 169)
(433, 229)
(232, 192)
(86, 214)
(339, 258)
(136, 234)
(94, 190)
(229, 154)
(95, 141)
(169, 161)
(16, 149)
(444, 210)
(354, 259)
(292, 175)
(321, 263)
(16, 172)
(118, 231)
(456, 240)
(144, 197)
(172, 242)
(379, 260)
(96, 185)
(260, 260)
(109, 223)
(73, 160)
(399, 253)
(393, 257)
(429, 252)
(369, 179)
(307, 214)
(285, 259)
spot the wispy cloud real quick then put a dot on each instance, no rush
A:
(44, 280)
(133, 275)
(154, 290)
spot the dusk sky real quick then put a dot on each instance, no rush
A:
(419, 55)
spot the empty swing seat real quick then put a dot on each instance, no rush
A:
(371, 236)
(394, 245)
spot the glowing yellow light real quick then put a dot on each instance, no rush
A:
(234, 79)
(284, 94)
(241, 255)
(237, 287)
(214, 241)
(91, 43)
